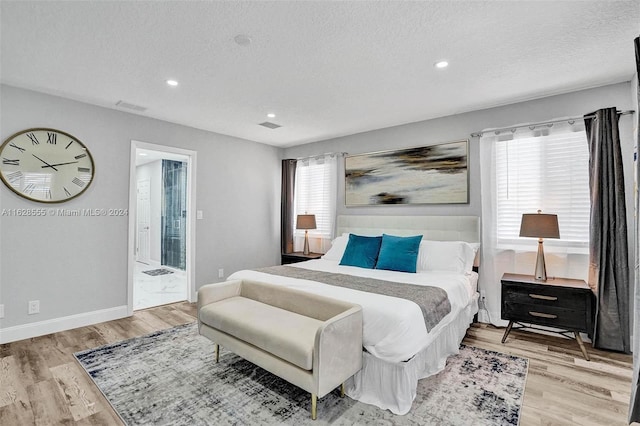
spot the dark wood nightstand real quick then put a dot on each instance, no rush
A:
(297, 256)
(562, 303)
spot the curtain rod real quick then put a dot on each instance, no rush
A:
(321, 155)
(541, 123)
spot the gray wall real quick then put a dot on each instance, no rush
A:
(79, 264)
(457, 127)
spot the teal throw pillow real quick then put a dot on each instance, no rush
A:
(399, 253)
(361, 251)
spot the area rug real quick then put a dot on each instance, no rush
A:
(156, 272)
(170, 378)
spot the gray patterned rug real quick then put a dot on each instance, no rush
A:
(170, 378)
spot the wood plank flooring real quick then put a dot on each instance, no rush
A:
(42, 384)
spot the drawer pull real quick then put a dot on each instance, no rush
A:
(541, 315)
(541, 297)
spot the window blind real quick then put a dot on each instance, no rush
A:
(549, 172)
(315, 193)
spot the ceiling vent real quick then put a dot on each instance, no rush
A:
(270, 125)
(127, 105)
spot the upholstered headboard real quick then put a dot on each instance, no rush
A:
(437, 228)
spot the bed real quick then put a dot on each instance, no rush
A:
(404, 341)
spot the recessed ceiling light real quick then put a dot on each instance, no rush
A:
(242, 40)
(441, 64)
(172, 82)
(143, 154)
(271, 115)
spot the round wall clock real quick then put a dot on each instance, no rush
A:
(46, 165)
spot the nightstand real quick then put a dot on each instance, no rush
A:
(562, 303)
(298, 256)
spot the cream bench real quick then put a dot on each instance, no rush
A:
(311, 341)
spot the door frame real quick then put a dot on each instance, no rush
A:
(137, 239)
(190, 222)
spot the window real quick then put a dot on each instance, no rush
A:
(315, 193)
(547, 170)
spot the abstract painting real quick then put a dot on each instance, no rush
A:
(434, 174)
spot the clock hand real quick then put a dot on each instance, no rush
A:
(59, 164)
(48, 165)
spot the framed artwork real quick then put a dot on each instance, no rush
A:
(434, 174)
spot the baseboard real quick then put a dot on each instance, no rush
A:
(40, 328)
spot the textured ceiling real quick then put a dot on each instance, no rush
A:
(326, 69)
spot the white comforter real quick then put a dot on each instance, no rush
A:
(393, 328)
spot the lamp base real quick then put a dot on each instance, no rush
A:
(541, 270)
(306, 243)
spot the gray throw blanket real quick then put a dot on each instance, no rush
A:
(433, 301)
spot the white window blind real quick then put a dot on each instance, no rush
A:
(546, 170)
(315, 193)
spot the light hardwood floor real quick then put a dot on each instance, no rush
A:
(41, 383)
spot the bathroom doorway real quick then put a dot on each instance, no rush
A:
(160, 267)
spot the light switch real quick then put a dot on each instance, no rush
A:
(199, 214)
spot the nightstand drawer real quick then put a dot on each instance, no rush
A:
(553, 297)
(552, 316)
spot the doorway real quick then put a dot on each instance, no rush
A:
(161, 237)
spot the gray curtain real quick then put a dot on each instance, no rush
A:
(634, 406)
(608, 251)
(286, 208)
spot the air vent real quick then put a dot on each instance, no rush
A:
(127, 105)
(270, 125)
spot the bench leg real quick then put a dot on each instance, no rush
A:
(342, 390)
(314, 406)
(217, 353)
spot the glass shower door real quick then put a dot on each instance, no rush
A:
(174, 205)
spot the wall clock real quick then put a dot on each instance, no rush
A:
(46, 165)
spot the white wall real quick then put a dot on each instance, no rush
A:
(460, 126)
(153, 172)
(75, 265)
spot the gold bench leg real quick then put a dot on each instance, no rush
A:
(342, 390)
(217, 353)
(314, 406)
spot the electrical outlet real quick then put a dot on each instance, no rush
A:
(34, 307)
(1, 311)
(483, 295)
(220, 273)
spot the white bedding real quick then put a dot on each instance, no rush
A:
(393, 329)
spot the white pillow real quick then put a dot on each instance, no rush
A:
(453, 256)
(337, 248)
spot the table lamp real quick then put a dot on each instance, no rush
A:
(539, 225)
(306, 222)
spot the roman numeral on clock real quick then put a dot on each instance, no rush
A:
(66, 191)
(34, 139)
(30, 188)
(68, 145)
(77, 157)
(78, 182)
(84, 170)
(16, 147)
(10, 162)
(51, 138)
